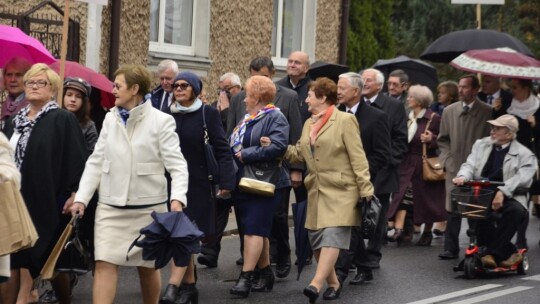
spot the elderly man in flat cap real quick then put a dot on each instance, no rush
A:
(500, 157)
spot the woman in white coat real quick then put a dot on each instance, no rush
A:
(136, 145)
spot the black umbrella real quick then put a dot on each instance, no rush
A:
(419, 72)
(451, 45)
(303, 248)
(324, 69)
(170, 235)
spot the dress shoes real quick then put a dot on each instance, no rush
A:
(170, 295)
(512, 260)
(331, 293)
(312, 293)
(188, 294)
(207, 260)
(425, 239)
(447, 255)
(283, 270)
(362, 276)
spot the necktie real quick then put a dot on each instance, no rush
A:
(368, 102)
(349, 111)
(497, 147)
(466, 109)
(165, 102)
(490, 99)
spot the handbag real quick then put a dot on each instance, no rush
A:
(260, 178)
(211, 162)
(75, 257)
(432, 169)
(18, 231)
(371, 211)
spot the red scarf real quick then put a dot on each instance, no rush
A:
(318, 121)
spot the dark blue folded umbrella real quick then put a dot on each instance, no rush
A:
(303, 248)
(170, 236)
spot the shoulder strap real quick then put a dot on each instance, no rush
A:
(204, 117)
(424, 146)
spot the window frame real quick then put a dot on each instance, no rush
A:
(162, 47)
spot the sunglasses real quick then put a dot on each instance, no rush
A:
(182, 86)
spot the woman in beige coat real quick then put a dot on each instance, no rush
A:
(338, 176)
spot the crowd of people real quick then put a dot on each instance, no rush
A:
(335, 143)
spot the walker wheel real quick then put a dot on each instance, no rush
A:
(524, 265)
(470, 266)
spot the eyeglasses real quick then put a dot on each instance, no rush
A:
(182, 86)
(39, 84)
(226, 90)
(393, 84)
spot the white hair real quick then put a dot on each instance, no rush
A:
(167, 64)
(355, 79)
(379, 76)
(235, 79)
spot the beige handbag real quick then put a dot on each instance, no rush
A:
(432, 169)
(18, 231)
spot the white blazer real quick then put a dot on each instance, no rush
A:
(129, 162)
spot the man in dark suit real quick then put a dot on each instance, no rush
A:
(493, 95)
(287, 101)
(375, 136)
(398, 84)
(297, 79)
(162, 94)
(373, 84)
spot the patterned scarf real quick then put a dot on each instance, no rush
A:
(124, 113)
(24, 126)
(317, 122)
(235, 142)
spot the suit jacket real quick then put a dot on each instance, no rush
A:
(287, 102)
(457, 134)
(397, 120)
(157, 95)
(375, 135)
(506, 98)
(129, 162)
(338, 172)
(302, 91)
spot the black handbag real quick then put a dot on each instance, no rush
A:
(211, 162)
(76, 256)
(371, 211)
(260, 178)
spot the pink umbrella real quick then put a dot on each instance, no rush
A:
(95, 79)
(15, 43)
(500, 62)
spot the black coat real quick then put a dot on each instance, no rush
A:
(398, 134)
(506, 98)
(375, 135)
(189, 127)
(302, 91)
(52, 167)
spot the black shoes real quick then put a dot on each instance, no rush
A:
(188, 293)
(362, 276)
(169, 296)
(240, 261)
(312, 293)
(425, 239)
(243, 284)
(447, 255)
(207, 260)
(265, 281)
(283, 270)
(331, 293)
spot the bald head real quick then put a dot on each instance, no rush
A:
(297, 66)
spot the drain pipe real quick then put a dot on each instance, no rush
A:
(345, 9)
(114, 47)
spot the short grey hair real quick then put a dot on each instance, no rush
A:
(379, 76)
(167, 64)
(235, 79)
(403, 77)
(355, 79)
(422, 95)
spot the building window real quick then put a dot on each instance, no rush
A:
(293, 28)
(172, 27)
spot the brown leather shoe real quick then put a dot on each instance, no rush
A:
(488, 261)
(512, 260)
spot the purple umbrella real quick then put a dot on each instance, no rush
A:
(15, 43)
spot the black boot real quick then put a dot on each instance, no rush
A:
(266, 280)
(169, 296)
(243, 284)
(188, 293)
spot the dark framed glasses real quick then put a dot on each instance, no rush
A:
(182, 86)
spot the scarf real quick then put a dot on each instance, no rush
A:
(124, 113)
(412, 125)
(317, 122)
(177, 108)
(13, 105)
(24, 126)
(237, 136)
(524, 109)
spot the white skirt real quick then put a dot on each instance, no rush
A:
(114, 231)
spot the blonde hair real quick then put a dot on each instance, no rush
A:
(52, 76)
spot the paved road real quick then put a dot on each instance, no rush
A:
(408, 275)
